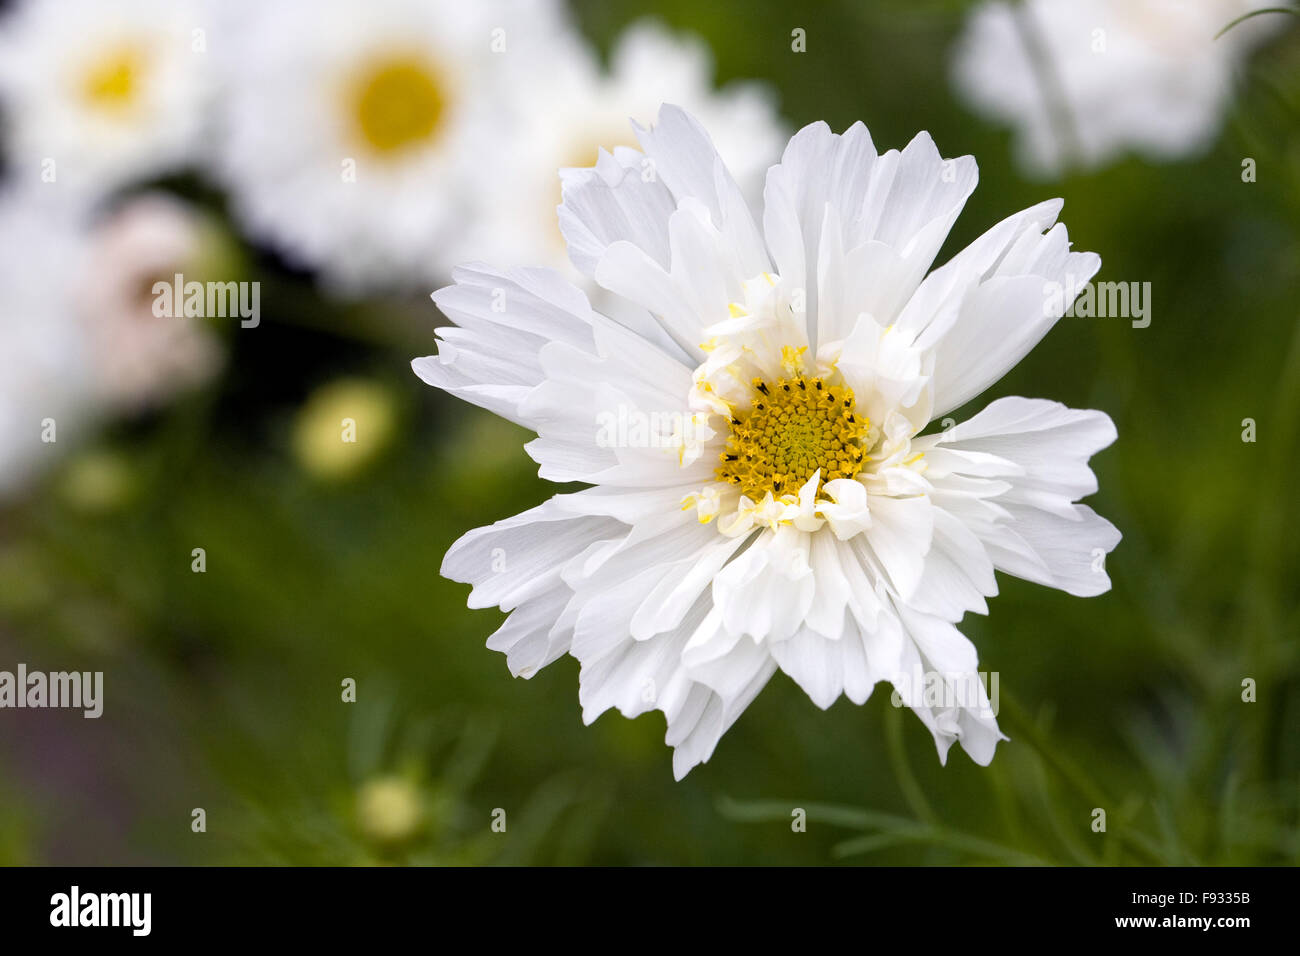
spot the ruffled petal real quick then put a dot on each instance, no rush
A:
(885, 214)
(981, 313)
(1037, 453)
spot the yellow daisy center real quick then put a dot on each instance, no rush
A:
(794, 427)
(398, 103)
(114, 81)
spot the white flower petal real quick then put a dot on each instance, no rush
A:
(958, 571)
(1060, 552)
(900, 535)
(700, 702)
(613, 202)
(1046, 537)
(940, 659)
(851, 664)
(767, 590)
(684, 157)
(815, 663)
(503, 320)
(907, 201)
(520, 557)
(532, 635)
(983, 311)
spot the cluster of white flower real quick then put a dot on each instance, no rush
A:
(801, 516)
(374, 147)
(98, 98)
(385, 149)
(1083, 81)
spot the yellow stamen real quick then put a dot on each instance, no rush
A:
(792, 359)
(794, 428)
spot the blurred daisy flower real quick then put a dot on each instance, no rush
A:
(764, 497)
(1083, 81)
(79, 338)
(360, 145)
(97, 95)
(576, 106)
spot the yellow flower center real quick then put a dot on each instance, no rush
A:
(793, 428)
(114, 81)
(399, 103)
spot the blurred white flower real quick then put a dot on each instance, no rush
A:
(763, 496)
(1083, 81)
(45, 387)
(576, 106)
(141, 358)
(359, 141)
(79, 341)
(99, 94)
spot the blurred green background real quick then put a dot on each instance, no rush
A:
(223, 687)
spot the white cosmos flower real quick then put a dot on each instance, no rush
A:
(360, 141)
(1082, 81)
(772, 502)
(576, 106)
(101, 94)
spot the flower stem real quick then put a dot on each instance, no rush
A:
(1020, 726)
